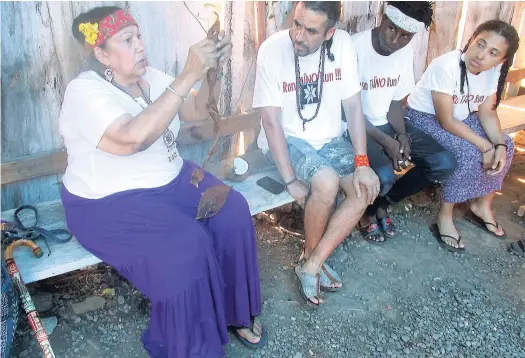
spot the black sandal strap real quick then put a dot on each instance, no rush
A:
(496, 225)
(458, 240)
(19, 222)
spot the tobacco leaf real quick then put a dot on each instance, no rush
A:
(213, 198)
(198, 173)
(212, 201)
(196, 176)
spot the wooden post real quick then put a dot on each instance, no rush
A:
(260, 22)
(361, 15)
(444, 29)
(481, 11)
(518, 20)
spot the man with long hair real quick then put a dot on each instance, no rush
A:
(304, 75)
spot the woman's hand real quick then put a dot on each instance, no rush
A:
(201, 57)
(498, 163)
(488, 159)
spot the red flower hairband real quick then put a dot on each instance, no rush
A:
(96, 34)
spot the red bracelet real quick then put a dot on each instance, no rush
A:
(361, 161)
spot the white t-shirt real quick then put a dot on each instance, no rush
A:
(275, 87)
(443, 75)
(90, 105)
(383, 78)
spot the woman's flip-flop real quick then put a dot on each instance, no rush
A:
(517, 247)
(435, 231)
(472, 218)
(247, 343)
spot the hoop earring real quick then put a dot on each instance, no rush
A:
(108, 74)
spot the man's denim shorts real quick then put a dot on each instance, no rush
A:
(338, 154)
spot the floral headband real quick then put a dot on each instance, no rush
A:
(403, 21)
(96, 33)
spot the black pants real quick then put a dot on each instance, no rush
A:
(433, 164)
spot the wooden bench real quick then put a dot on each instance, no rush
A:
(71, 255)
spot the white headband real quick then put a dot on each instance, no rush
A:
(403, 21)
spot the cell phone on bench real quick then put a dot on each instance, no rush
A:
(272, 185)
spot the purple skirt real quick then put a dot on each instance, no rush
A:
(200, 276)
(469, 180)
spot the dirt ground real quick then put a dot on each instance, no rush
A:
(408, 298)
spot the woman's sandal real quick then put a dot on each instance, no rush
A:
(517, 247)
(247, 343)
(476, 220)
(372, 230)
(435, 231)
(388, 228)
(327, 277)
(309, 286)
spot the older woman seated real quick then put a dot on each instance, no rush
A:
(128, 198)
(455, 102)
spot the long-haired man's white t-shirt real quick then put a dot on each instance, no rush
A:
(276, 81)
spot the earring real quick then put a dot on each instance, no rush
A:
(108, 74)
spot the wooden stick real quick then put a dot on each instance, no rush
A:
(27, 302)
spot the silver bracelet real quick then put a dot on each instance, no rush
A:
(173, 90)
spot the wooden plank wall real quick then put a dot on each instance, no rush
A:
(40, 57)
(481, 11)
(518, 20)
(444, 29)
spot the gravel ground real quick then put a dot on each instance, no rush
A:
(408, 298)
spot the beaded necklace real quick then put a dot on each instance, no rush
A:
(320, 78)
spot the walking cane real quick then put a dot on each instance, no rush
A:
(27, 302)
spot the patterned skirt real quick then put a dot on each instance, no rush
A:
(469, 180)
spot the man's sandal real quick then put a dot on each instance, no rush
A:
(327, 277)
(435, 231)
(370, 232)
(309, 286)
(476, 220)
(247, 343)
